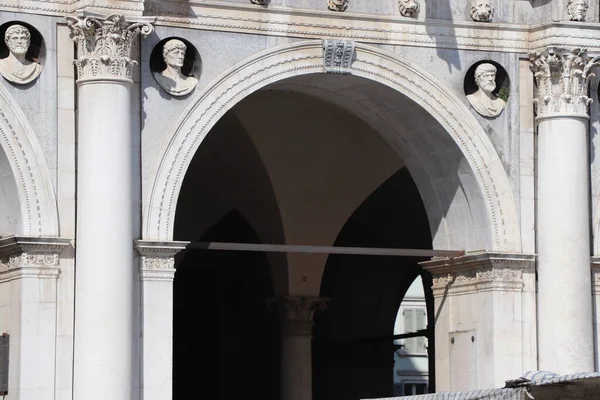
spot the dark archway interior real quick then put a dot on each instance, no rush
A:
(353, 349)
(225, 341)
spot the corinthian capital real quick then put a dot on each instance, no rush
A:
(296, 313)
(104, 46)
(562, 78)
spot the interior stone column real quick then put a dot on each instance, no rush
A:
(104, 243)
(296, 319)
(563, 233)
(29, 272)
(157, 271)
(485, 327)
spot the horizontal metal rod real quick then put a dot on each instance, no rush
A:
(289, 248)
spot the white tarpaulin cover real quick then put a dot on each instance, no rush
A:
(518, 389)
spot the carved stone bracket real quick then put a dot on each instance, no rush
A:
(480, 272)
(562, 78)
(157, 259)
(296, 313)
(36, 257)
(338, 56)
(104, 46)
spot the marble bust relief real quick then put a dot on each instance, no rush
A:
(482, 10)
(16, 68)
(171, 79)
(577, 9)
(483, 100)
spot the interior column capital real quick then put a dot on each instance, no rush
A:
(296, 312)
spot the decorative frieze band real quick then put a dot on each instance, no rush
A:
(157, 259)
(104, 46)
(480, 272)
(35, 257)
(296, 313)
(562, 78)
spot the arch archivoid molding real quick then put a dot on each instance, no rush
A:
(307, 58)
(39, 216)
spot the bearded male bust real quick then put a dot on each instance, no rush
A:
(16, 68)
(483, 100)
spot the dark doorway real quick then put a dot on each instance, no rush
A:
(353, 352)
(225, 341)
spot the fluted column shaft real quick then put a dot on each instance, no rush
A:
(296, 318)
(565, 336)
(103, 353)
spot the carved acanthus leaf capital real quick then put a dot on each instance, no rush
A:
(562, 78)
(104, 46)
(296, 313)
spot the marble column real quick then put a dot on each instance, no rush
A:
(296, 319)
(157, 272)
(485, 319)
(563, 233)
(103, 353)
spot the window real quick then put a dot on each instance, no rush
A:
(414, 320)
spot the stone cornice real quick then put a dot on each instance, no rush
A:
(481, 271)
(323, 24)
(157, 259)
(33, 257)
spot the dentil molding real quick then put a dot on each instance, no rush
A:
(36, 257)
(296, 313)
(157, 259)
(104, 46)
(562, 78)
(477, 272)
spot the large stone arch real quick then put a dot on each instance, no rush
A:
(491, 188)
(37, 202)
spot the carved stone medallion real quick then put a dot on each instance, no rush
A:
(482, 10)
(577, 9)
(409, 8)
(337, 5)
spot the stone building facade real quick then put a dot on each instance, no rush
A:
(131, 130)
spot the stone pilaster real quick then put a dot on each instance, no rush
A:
(104, 285)
(157, 271)
(563, 239)
(486, 319)
(29, 272)
(296, 317)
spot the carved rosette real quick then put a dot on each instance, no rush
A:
(104, 47)
(562, 78)
(30, 257)
(296, 313)
(157, 259)
(504, 272)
